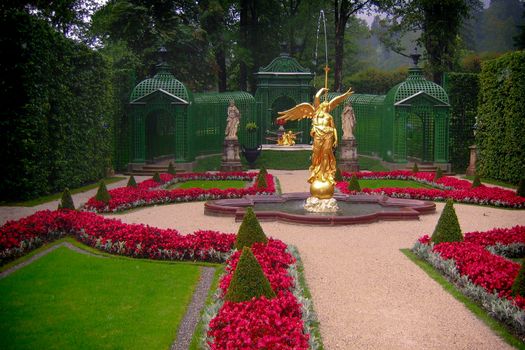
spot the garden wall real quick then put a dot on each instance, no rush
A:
(501, 134)
(57, 111)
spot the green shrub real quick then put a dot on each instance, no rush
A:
(338, 176)
(501, 134)
(171, 169)
(250, 231)
(353, 185)
(156, 177)
(521, 188)
(476, 182)
(102, 193)
(248, 280)
(439, 174)
(67, 201)
(518, 287)
(415, 168)
(261, 178)
(447, 228)
(132, 182)
(375, 81)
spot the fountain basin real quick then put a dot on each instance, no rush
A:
(354, 209)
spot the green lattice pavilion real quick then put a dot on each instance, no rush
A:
(168, 121)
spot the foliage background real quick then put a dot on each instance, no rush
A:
(501, 135)
(57, 113)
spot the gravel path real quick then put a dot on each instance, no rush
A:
(368, 295)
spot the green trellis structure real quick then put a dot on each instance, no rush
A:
(281, 85)
(166, 120)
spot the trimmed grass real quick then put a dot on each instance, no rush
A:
(476, 309)
(55, 196)
(207, 184)
(492, 182)
(67, 300)
(282, 160)
(391, 183)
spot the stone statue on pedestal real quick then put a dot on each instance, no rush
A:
(231, 160)
(348, 118)
(348, 147)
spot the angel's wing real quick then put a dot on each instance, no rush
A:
(339, 99)
(302, 110)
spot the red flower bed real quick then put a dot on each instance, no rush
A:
(449, 187)
(150, 192)
(111, 235)
(259, 324)
(274, 261)
(492, 272)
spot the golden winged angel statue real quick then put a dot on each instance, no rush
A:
(324, 136)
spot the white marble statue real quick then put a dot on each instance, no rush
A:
(232, 122)
(348, 118)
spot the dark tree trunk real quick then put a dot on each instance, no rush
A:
(220, 58)
(339, 55)
(243, 69)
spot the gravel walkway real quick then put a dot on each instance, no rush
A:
(368, 295)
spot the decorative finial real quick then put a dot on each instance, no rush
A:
(415, 57)
(163, 65)
(284, 49)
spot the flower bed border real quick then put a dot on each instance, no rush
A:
(149, 192)
(501, 308)
(460, 191)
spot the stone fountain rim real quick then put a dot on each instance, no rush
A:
(236, 207)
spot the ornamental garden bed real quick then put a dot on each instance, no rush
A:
(445, 187)
(151, 192)
(480, 267)
(285, 321)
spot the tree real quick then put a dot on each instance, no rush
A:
(519, 39)
(439, 22)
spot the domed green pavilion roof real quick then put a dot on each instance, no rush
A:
(164, 81)
(415, 84)
(284, 63)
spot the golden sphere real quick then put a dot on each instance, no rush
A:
(322, 189)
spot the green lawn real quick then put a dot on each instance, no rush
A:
(493, 182)
(67, 300)
(282, 160)
(391, 183)
(55, 196)
(207, 184)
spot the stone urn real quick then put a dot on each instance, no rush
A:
(251, 154)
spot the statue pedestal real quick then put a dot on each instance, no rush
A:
(471, 170)
(316, 205)
(231, 160)
(348, 155)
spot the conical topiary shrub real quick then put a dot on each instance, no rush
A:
(521, 188)
(67, 201)
(476, 182)
(338, 176)
(415, 168)
(353, 185)
(261, 178)
(102, 193)
(248, 280)
(250, 231)
(518, 287)
(132, 182)
(439, 174)
(156, 177)
(171, 169)
(447, 228)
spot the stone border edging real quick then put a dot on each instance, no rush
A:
(193, 313)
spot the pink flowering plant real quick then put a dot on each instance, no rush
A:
(445, 187)
(480, 268)
(150, 192)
